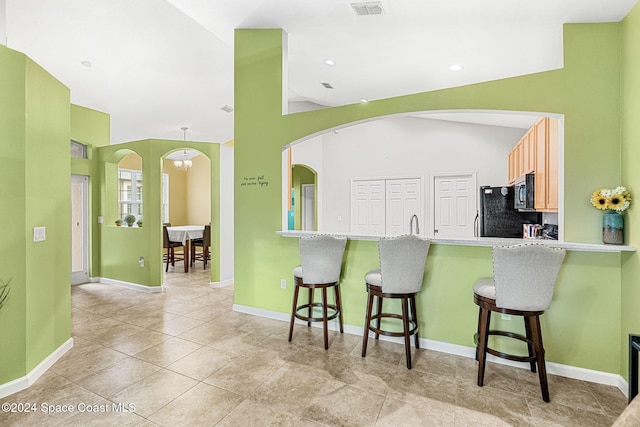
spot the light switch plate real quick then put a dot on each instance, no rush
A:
(39, 234)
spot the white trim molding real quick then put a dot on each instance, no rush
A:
(29, 379)
(129, 285)
(222, 283)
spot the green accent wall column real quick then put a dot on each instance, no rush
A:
(34, 155)
(631, 178)
(581, 329)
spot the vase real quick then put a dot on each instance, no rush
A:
(612, 228)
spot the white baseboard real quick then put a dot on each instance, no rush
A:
(567, 371)
(29, 379)
(222, 283)
(129, 285)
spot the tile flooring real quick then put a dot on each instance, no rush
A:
(183, 357)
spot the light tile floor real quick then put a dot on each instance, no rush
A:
(183, 357)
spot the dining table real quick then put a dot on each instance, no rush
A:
(184, 234)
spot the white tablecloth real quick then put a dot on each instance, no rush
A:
(184, 233)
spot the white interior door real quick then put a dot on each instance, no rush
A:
(403, 200)
(308, 207)
(454, 204)
(79, 229)
(368, 207)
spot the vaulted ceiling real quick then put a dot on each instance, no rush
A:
(159, 65)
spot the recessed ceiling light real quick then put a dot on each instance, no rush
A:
(86, 64)
(456, 67)
(330, 62)
(327, 85)
(227, 108)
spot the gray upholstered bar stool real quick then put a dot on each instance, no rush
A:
(524, 277)
(321, 264)
(400, 275)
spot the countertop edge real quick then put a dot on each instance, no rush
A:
(480, 241)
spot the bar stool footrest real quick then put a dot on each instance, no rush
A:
(335, 312)
(508, 356)
(413, 327)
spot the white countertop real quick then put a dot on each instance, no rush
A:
(481, 241)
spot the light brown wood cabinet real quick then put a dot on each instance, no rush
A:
(546, 170)
(537, 152)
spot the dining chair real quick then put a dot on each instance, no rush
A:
(170, 250)
(205, 244)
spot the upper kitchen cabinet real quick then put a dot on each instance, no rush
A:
(537, 152)
(546, 165)
(522, 156)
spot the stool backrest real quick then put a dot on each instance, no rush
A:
(525, 275)
(402, 262)
(321, 258)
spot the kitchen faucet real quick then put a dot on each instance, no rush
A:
(417, 225)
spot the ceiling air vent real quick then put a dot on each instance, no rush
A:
(368, 8)
(327, 85)
(227, 108)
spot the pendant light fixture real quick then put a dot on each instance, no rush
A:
(185, 163)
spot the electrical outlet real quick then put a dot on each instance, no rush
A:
(283, 283)
(505, 316)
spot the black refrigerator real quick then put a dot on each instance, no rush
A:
(498, 217)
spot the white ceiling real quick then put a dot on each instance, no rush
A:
(159, 65)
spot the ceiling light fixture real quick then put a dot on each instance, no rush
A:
(456, 67)
(86, 64)
(185, 163)
(330, 62)
(363, 100)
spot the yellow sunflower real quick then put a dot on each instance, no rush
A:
(620, 199)
(600, 200)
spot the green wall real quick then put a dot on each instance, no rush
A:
(34, 155)
(586, 311)
(631, 175)
(121, 247)
(91, 128)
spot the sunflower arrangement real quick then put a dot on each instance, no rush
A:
(616, 199)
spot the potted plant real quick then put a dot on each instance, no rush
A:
(139, 222)
(130, 220)
(119, 222)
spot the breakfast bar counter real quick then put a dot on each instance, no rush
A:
(481, 241)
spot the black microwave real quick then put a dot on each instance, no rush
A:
(524, 193)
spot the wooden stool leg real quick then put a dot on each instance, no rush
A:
(478, 334)
(407, 336)
(339, 307)
(324, 318)
(536, 333)
(414, 316)
(293, 310)
(379, 312)
(483, 338)
(367, 322)
(527, 328)
(310, 306)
